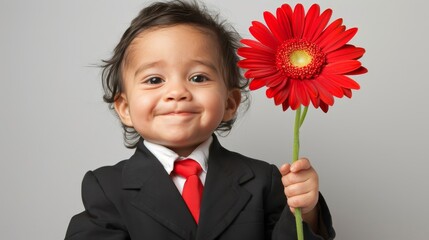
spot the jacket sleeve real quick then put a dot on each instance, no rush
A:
(100, 220)
(281, 222)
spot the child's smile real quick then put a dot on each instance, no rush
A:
(178, 117)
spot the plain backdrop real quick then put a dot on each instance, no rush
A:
(370, 151)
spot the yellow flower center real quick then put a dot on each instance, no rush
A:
(300, 59)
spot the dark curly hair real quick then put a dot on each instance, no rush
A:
(163, 14)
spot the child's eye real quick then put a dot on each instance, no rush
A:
(153, 80)
(198, 78)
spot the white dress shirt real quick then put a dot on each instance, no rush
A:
(167, 157)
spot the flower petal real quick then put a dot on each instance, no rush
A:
(293, 96)
(284, 23)
(271, 92)
(347, 92)
(312, 91)
(334, 25)
(248, 52)
(324, 94)
(324, 107)
(343, 81)
(282, 96)
(285, 105)
(258, 46)
(254, 63)
(333, 35)
(320, 25)
(302, 93)
(342, 67)
(256, 83)
(331, 86)
(341, 40)
(310, 18)
(358, 71)
(263, 35)
(260, 73)
(298, 21)
(274, 27)
(287, 10)
(347, 52)
(276, 79)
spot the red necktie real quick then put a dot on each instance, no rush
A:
(193, 188)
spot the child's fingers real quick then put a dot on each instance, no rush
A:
(300, 164)
(285, 169)
(306, 201)
(304, 176)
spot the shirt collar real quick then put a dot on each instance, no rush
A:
(167, 157)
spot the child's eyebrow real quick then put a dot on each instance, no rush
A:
(204, 62)
(145, 66)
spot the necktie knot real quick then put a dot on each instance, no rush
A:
(187, 168)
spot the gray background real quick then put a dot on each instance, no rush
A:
(370, 151)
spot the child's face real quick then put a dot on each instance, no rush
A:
(174, 91)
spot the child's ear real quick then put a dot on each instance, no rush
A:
(232, 103)
(122, 109)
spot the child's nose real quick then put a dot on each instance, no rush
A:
(177, 91)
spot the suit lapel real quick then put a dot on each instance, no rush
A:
(158, 196)
(223, 197)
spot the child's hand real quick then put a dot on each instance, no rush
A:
(301, 185)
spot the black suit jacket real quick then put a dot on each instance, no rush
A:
(136, 199)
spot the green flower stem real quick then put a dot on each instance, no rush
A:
(299, 120)
(303, 116)
(296, 134)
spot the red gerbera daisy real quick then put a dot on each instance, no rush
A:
(300, 58)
